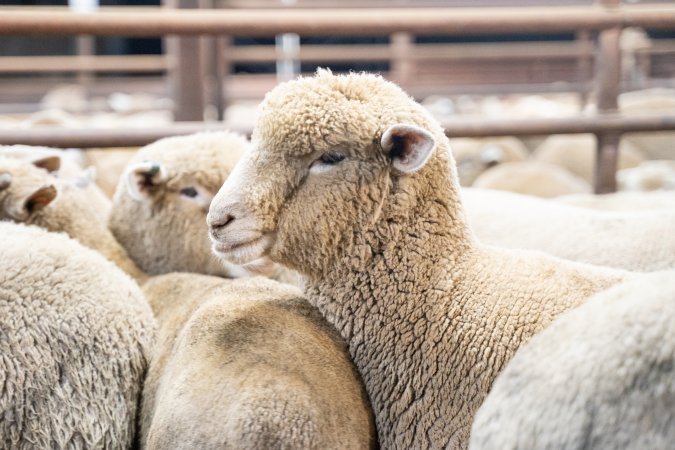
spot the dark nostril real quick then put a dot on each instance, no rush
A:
(222, 222)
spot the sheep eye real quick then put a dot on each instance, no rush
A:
(331, 158)
(189, 192)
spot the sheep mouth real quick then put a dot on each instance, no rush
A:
(242, 252)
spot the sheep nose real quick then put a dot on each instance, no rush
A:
(217, 222)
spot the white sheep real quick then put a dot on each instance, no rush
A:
(532, 178)
(248, 364)
(475, 156)
(160, 205)
(648, 176)
(32, 196)
(621, 201)
(629, 240)
(352, 183)
(75, 339)
(657, 101)
(601, 376)
(576, 153)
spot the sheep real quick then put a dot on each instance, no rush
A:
(637, 241)
(64, 164)
(621, 201)
(248, 363)
(532, 178)
(32, 196)
(168, 187)
(75, 340)
(109, 164)
(351, 182)
(656, 145)
(474, 156)
(576, 153)
(601, 376)
(648, 176)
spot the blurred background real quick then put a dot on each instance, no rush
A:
(117, 82)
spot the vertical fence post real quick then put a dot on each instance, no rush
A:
(608, 79)
(186, 76)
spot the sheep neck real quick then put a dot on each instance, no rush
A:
(431, 317)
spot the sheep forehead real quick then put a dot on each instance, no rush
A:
(314, 114)
(204, 158)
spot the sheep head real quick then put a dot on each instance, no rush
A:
(167, 189)
(25, 189)
(335, 161)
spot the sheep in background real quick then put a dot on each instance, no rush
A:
(248, 364)
(109, 164)
(638, 241)
(576, 153)
(532, 178)
(352, 183)
(64, 164)
(648, 176)
(32, 196)
(474, 156)
(167, 187)
(655, 145)
(621, 201)
(601, 376)
(75, 340)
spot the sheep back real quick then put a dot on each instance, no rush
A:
(75, 334)
(601, 376)
(248, 363)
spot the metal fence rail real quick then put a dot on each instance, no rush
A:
(608, 18)
(343, 22)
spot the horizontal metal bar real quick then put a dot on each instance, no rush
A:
(567, 125)
(133, 137)
(75, 63)
(321, 22)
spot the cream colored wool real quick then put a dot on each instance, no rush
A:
(630, 240)
(532, 178)
(248, 364)
(64, 164)
(475, 156)
(600, 377)
(648, 176)
(75, 337)
(163, 230)
(576, 153)
(59, 205)
(430, 315)
(622, 201)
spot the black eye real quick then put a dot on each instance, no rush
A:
(189, 192)
(331, 158)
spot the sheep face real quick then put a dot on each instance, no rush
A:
(24, 190)
(159, 208)
(333, 159)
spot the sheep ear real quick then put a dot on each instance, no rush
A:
(39, 199)
(408, 146)
(51, 163)
(142, 177)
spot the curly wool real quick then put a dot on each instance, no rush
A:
(600, 377)
(430, 315)
(75, 336)
(248, 364)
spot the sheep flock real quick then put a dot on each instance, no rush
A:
(348, 278)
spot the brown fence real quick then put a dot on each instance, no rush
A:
(607, 19)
